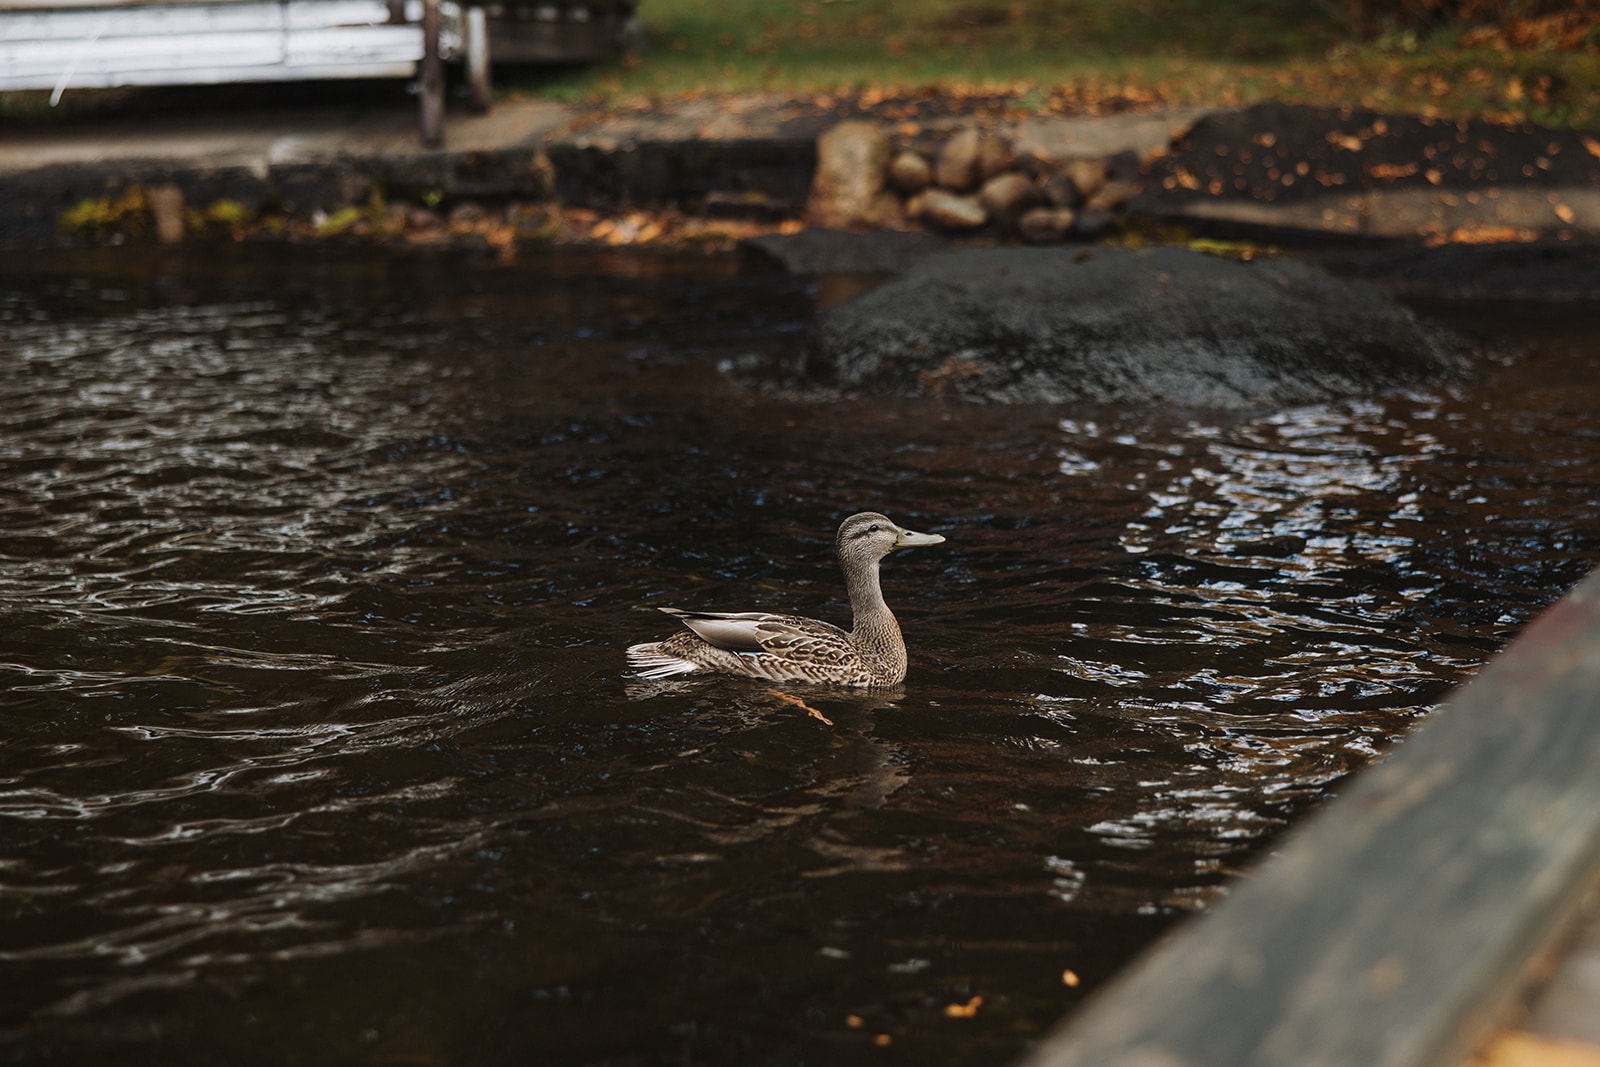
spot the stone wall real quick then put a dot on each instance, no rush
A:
(968, 180)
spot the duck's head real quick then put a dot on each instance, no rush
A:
(870, 536)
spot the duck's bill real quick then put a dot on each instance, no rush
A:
(908, 538)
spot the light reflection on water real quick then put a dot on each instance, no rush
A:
(317, 747)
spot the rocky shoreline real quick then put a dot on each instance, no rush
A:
(970, 180)
(1037, 258)
(790, 180)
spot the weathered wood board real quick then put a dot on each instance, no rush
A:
(1392, 928)
(212, 43)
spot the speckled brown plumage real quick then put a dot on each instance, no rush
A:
(789, 648)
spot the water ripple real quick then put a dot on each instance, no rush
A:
(317, 746)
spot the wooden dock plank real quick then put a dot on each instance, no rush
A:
(1391, 929)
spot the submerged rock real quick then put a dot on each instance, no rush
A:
(1169, 325)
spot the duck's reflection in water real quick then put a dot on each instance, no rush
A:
(843, 772)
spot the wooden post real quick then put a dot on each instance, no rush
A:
(475, 29)
(432, 77)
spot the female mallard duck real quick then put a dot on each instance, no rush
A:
(788, 648)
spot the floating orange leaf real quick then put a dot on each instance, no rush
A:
(964, 1011)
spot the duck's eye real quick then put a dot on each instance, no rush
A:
(873, 528)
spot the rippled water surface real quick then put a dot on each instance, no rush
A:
(316, 744)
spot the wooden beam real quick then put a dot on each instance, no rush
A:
(431, 76)
(1393, 926)
(475, 34)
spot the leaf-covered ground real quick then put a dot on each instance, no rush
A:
(1095, 55)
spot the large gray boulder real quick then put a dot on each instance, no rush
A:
(1031, 325)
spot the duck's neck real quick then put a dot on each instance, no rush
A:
(876, 635)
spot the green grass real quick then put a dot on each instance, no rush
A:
(813, 44)
(1075, 52)
(1062, 55)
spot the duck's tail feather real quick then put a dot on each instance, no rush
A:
(651, 662)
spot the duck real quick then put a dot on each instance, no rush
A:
(792, 648)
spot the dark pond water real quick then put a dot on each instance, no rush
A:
(316, 745)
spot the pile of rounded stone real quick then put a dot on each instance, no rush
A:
(967, 182)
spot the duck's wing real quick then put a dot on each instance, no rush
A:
(758, 631)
